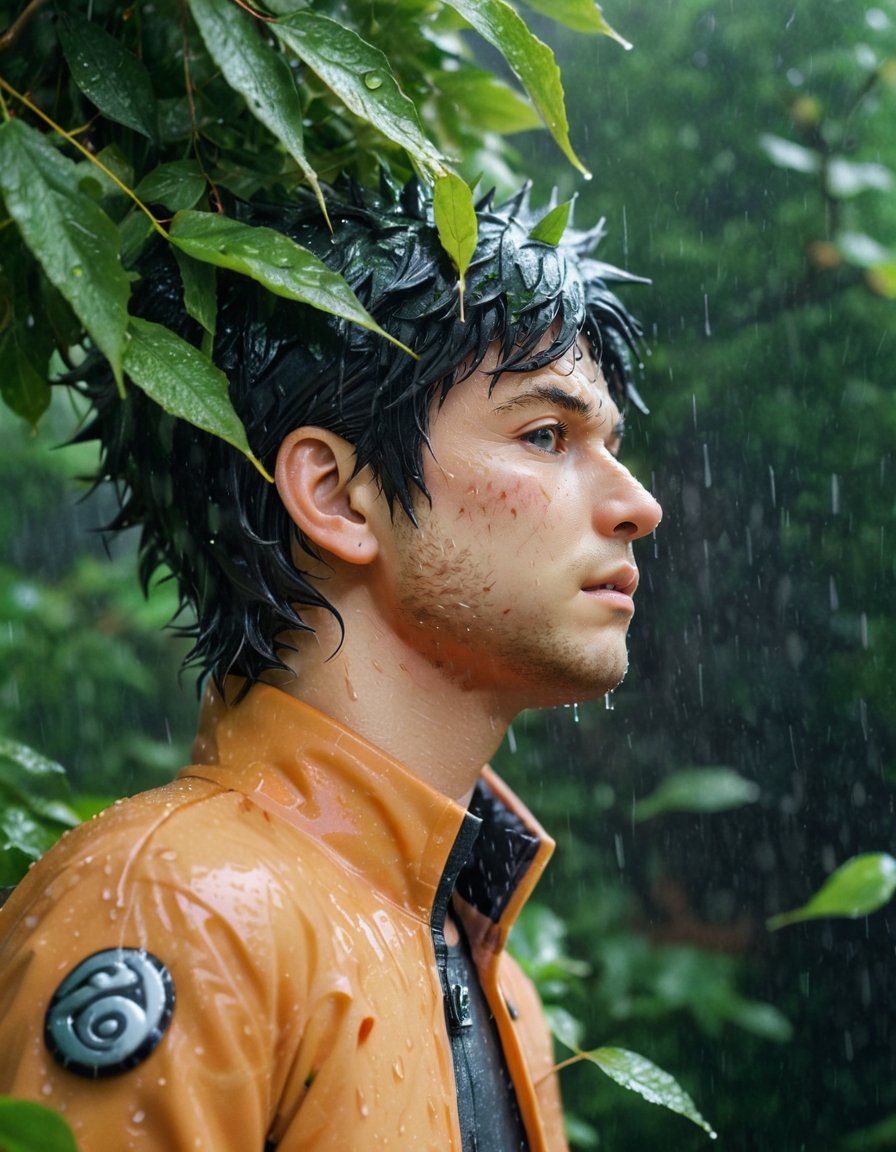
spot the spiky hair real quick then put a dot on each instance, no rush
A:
(206, 513)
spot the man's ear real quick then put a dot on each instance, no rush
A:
(334, 508)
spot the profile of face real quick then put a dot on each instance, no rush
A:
(519, 578)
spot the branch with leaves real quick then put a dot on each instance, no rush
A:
(132, 123)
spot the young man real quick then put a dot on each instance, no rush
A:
(299, 944)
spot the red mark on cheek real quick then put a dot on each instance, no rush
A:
(506, 611)
(488, 587)
(513, 513)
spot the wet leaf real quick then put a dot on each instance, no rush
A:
(29, 1127)
(456, 223)
(640, 1075)
(74, 240)
(698, 790)
(177, 185)
(24, 389)
(260, 74)
(532, 62)
(272, 259)
(39, 783)
(499, 108)
(550, 228)
(857, 888)
(184, 382)
(115, 80)
(200, 290)
(362, 78)
(580, 15)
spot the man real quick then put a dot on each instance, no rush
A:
(300, 942)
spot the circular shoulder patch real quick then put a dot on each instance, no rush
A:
(110, 1012)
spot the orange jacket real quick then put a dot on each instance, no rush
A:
(286, 883)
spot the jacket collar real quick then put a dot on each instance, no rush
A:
(369, 810)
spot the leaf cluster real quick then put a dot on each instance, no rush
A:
(143, 121)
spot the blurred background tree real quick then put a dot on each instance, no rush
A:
(744, 155)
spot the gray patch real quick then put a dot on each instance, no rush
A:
(110, 1012)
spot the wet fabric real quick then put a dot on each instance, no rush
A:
(489, 1116)
(287, 881)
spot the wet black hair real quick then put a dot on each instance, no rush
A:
(206, 513)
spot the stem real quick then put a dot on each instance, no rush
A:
(15, 30)
(70, 138)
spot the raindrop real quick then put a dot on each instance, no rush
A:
(707, 471)
(511, 739)
(835, 598)
(620, 850)
(373, 80)
(835, 494)
(707, 330)
(771, 480)
(863, 626)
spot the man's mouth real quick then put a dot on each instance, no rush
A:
(623, 579)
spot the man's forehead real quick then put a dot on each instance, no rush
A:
(575, 371)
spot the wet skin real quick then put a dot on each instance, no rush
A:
(505, 585)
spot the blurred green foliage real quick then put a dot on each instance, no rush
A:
(745, 158)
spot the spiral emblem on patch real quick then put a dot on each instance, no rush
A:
(110, 1012)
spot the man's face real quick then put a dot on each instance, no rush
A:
(519, 578)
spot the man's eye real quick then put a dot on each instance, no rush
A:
(550, 438)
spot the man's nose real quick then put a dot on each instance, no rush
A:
(626, 508)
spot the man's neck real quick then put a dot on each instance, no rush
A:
(386, 692)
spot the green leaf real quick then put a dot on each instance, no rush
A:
(857, 888)
(456, 224)
(108, 75)
(261, 75)
(74, 240)
(200, 290)
(24, 389)
(532, 62)
(271, 258)
(580, 15)
(499, 108)
(640, 1075)
(698, 790)
(362, 78)
(550, 228)
(184, 382)
(36, 780)
(29, 1127)
(177, 185)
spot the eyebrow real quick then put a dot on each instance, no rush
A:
(540, 393)
(553, 395)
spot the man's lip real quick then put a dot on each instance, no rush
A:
(623, 579)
